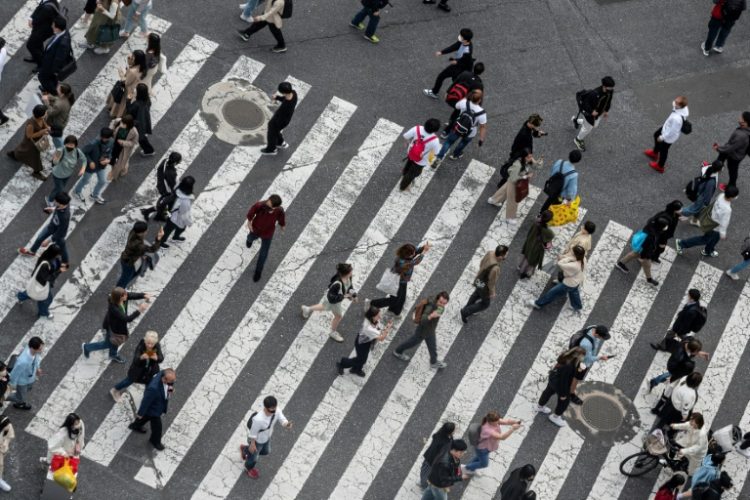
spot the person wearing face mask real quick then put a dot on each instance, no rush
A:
(647, 250)
(667, 134)
(68, 440)
(734, 151)
(72, 160)
(593, 105)
(154, 404)
(145, 365)
(460, 62)
(7, 435)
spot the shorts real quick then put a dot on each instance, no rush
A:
(337, 309)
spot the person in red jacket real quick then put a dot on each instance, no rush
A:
(723, 16)
(261, 222)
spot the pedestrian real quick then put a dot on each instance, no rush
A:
(281, 118)
(560, 381)
(166, 181)
(156, 61)
(259, 432)
(714, 220)
(681, 396)
(371, 9)
(573, 269)
(594, 105)
(145, 365)
(68, 440)
(423, 147)
(709, 482)
(140, 109)
(485, 282)
(538, 241)
(3, 60)
(34, 141)
(723, 16)
(735, 149)
(180, 213)
(443, 5)
(132, 258)
(115, 324)
(54, 232)
(25, 373)
(461, 60)
(680, 363)
(745, 252)
(7, 435)
(271, 17)
(689, 320)
(339, 288)
(137, 13)
(426, 316)
(441, 442)
(582, 238)
(675, 125)
(562, 185)
(407, 256)
(4, 384)
(701, 191)
(490, 435)
(591, 340)
(71, 160)
(445, 472)
(125, 138)
(647, 249)
(58, 111)
(472, 120)
(524, 139)
(134, 72)
(670, 489)
(369, 333)
(247, 10)
(743, 448)
(55, 56)
(463, 84)
(692, 440)
(672, 214)
(98, 156)
(100, 35)
(522, 169)
(41, 29)
(48, 267)
(518, 482)
(154, 404)
(261, 224)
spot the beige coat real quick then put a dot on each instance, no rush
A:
(580, 238)
(272, 12)
(131, 78)
(120, 168)
(572, 271)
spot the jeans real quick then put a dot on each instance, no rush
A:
(20, 395)
(42, 306)
(394, 304)
(249, 8)
(46, 233)
(90, 347)
(710, 239)
(362, 353)
(415, 340)
(276, 32)
(561, 289)
(449, 140)
(739, 267)
(127, 274)
(480, 461)
(693, 209)
(372, 24)
(479, 301)
(252, 458)
(101, 182)
(718, 31)
(434, 493)
(265, 246)
(130, 19)
(124, 383)
(661, 149)
(58, 187)
(58, 142)
(660, 378)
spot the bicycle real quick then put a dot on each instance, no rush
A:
(658, 450)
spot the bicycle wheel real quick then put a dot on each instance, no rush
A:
(638, 464)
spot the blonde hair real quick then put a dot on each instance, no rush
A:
(152, 336)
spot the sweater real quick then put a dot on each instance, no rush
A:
(694, 444)
(573, 274)
(263, 219)
(672, 128)
(181, 215)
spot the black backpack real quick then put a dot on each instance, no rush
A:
(465, 121)
(577, 337)
(554, 185)
(732, 9)
(165, 206)
(694, 186)
(581, 98)
(699, 319)
(687, 127)
(286, 13)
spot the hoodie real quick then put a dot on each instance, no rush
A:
(671, 130)
(181, 215)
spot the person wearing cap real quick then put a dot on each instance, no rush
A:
(734, 151)
(445, 471)
(594, 105)
(280, 119)
(591, 342)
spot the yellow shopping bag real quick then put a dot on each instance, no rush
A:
(65, 477)
(563, 214)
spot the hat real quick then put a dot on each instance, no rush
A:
(603, 332)
(608, 81)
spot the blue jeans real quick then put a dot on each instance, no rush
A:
(252, 458)
(693, 209)
(718, 31)
(561, 289)
(710, 239)
(58, 142)
(58, 187)
(122, 384)
(130, 19)
(100, 346)
(660, 378)
(42, 306)
(101, 182)
(249, 8)
(46, 233)
(372, 24)
(265, 246)
(452, 138)
(480, 461)
(434, 493)
(127, 274)
(20, 395)
(739, 267)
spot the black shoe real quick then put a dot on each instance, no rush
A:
(242, 34)
(266, 151)
(575, 399)
(444, 7)
(158, 446)
(256, 277)
(652, 282)
(145, 213)
(135, 428)
(4, 119)
(651, 386)
(22, 406)
(11, 155)
(656, 260)
(178, 238)
(164, 245)
(359, 373)
(463, 317)
(657, 347)
(622, 267)
(339, 368)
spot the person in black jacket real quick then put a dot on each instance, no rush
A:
(593, 105)
(145, 364)
(166, 179)
(55, 56)
(425, 330)
(140, 109)
(681, 362)
(689, 320)
(41, 29)
(280, 119)
(672, 214)
(135, 249)
(654, 228)
(560, 380)
(735, 149)
(518, 482)
(462, 61)
(47, 269)
(445, 471)
(55, 231)
(523, 144)
(371, 9)
(441, 442)
(115, 324)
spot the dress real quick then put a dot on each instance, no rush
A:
(26, 152)
(111, 8)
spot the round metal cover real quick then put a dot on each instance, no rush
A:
(243, 114)
(602, 413)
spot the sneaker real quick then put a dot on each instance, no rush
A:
(651, 154)
(575, 123)
(712, 254)
(6, 487)
(284, 145)
(372, 39)
(579, 144)
(454, 157)
(157, 446)
(48, 317)
(118, 359)
(279, 49)
(26, 253)
(101, 50)
(656, 166)
(401, 356)
(429, 93)
(359, 373)
(245, 38)
(246, 19)
(98, 200)
(146, 155)
(253, 473)
(269, 152)
(84, 351)
(694, 222)
(49, 203)
(39, 176)
(703, 49)
(164, 245)
(22, 406)
(575, 399)
(493, 202)
(464, 318)
(732, 275)
(360, 26)
(718, 50)
(444, 7)
(125, 34)
(116, 395)
(622, 267)
(438, 365)
(336, 336)
(178, 238)
(305, 312)
(678, 246)
(652, 281)
(532, 303)
(542, 409)
(80, 197)
(435, 164)
(557, 420)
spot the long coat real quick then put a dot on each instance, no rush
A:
(533, 247)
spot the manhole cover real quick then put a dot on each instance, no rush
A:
(243, 114)
(602, 413)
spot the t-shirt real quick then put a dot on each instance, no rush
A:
(262, 426)
(431, 149)
(475, 108)
(368, 332)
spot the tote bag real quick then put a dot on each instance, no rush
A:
(522, 189)
(389, 282)
(34, 289)
(563, 214)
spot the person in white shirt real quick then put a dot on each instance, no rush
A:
(472, 120)
(714, 227)
(422, 149)
(68, 440)
(680, 402)
(259, 431)
(667, 134)
(693, 439)
(3, 60)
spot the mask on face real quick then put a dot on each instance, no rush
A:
(460, 38)
(70, 149)
(75, 431)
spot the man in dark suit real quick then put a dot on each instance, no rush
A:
(154, 405)
(41, 28)
(55, 56)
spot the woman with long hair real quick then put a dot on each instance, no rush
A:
(179, 217)
(134, 72)
(538, 241)
(105, 14)
(155, 59)
(572, 268)
(368, 334)
(441, 441)
(126, 137)
(68, 440)
(35, 134)
(560, 379)
(407, 256)
(140, 109)
(670, 489)
(339, 288)
(490, 435)
(58, 112)
(48, 267)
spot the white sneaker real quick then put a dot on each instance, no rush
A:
(305, 312)
(532, 303)
(745, 453)
(284, 145)
(4, 486)
(557, 420)
(116, 395)
(718, 50)
(493, 202)
(246, 19)
(732, 275)
(512, 221)
(429, 93)
(98, 200)
(401, 356)
(336, 336)
(542, 409)
(101, 50)
(438, 365)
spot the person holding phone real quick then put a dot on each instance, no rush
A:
(426, 316)
(591, 342)
(363, 343)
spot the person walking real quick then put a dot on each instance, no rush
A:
(131, 259)
(516, 487)
(259, 431)
(55, 231)
(679, 404)
(115, 324)
(593, 106)
(745, 252)
(562, 185)
(423, 147)
(261, 224)
(485, 282)
(689, 320)
(735, 149)
(472, 120)
(25, 373)
(647, 249)
(34, 141)
(704, 188)
(281, 118)
(55, 56)
(58, 112)
(40, 23)
(180, 218)
(538, 241)
(582, 238)
(371, 9)
(445, 471)
(98, 156)
(271, 17)
(125, 138)
(522, 168)
(134, 72)
(560, 381)
(48, 268)
(709, 482)
(681, 362)
(591, 340)
(339, 288)
(105, 18)
(140, 109)
(462, 60)
(7, 435)
(166, 181)
(672, 214)
(156, 61)
(137, 13)
(426, 319)
(670, 489)
(441, 442)
(723, 16)
(490, 435)
(524, 139)
(666, 135)
(693, 441)
(69, 439)
(407, 257)
(154, 404)
(714, 221)
(573, 276)
(465, 83)
(145, 365)
(369, 333)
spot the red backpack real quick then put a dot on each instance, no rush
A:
(416, 151)
(456, 92)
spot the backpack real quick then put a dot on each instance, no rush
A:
(473, 433)
(581, 97)
(699, 320)
(465, 121)
(687, 127)
(577, 337)
(456, 92)
(554, 185)
(694, 186)
(329, 295)
(286, 13)
(732, 9)
(419, 310)
(165, 205)
(416, 150)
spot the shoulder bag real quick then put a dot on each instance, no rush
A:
(34, 289)
(522, 189)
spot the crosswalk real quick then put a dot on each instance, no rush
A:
(451, 265)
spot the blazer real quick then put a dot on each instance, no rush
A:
(117, 318)
(55, 54)
(42, 18)
(154, 403)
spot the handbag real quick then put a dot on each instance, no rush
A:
(636, 243)
(118, 91)
(564, 214)
(34, 289)
(389, 282)
(42, 144)
(116, 339)
(522, 189)
(68, 68)
(108, 33)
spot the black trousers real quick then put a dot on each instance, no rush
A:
(451, 71)
(661, 148)
(549, 391)
(394, 304)
(35, 43)
(479, 301)
(145, 144)
(410, 172)
(156, 427)
(733, 167)
(274, 138)
(276, 32)
(48, 82)
(551, 200)
(169, 227)
(362, 353)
